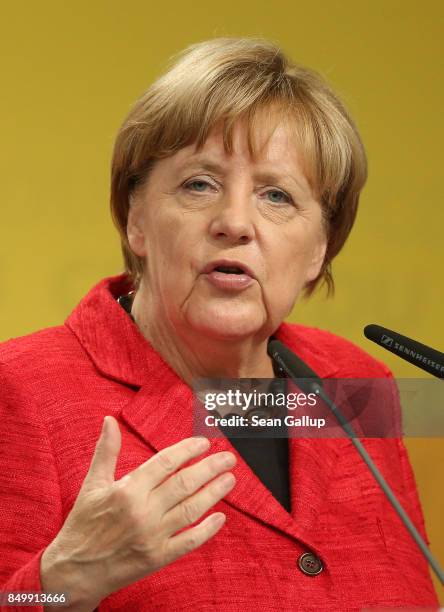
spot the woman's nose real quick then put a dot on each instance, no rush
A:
(233, 219)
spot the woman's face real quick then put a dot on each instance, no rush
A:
(200, 207)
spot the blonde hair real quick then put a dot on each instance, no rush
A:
(228, 79)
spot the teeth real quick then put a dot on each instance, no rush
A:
(229, 270)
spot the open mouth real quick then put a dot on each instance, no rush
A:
(229, 277)
(229, 270)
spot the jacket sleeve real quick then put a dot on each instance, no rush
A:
(30, 505)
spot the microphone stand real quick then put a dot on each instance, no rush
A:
(308, 380)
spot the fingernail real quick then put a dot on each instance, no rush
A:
(219, 519)
(226, 460)
(227, 481)
(201, 443)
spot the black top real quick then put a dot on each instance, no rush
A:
(267, 457)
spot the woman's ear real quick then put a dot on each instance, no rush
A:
(134, 227)
(317, 259)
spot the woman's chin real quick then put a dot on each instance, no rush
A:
(228, 325)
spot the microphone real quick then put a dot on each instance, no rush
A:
(308, 380)
(414, 352)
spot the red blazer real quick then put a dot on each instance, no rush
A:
(57, 385)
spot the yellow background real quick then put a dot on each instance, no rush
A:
(71, 70)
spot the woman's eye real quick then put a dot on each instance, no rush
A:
(197, 185)
(279, 197)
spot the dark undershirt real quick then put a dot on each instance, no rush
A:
(267, 457)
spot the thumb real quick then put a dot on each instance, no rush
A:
(104, 460)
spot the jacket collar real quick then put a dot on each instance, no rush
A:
(162, 409)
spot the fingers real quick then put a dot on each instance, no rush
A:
(192, 538)
(167, 461)
(106, 453)
(190, 479)
(192, 508)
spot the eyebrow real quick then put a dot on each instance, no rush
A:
(266, 176)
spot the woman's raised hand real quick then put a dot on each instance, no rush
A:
(120, 531)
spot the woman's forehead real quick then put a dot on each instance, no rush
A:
(258, 140)
(253, 133)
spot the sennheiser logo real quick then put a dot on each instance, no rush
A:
(415, 355)
(390, 343)
(386, 340)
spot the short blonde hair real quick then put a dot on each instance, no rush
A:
(225, 79)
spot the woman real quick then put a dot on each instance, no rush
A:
(235, 182)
